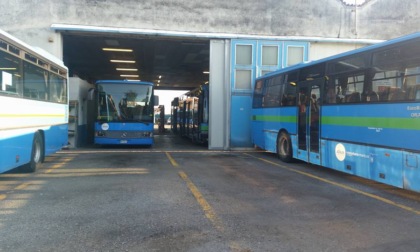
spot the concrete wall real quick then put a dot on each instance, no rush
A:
(220, 96)
(323, 50)
(376, 19)
(78, 91)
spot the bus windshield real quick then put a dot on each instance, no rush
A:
(125, 103)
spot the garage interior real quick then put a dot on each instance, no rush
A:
(170, 63)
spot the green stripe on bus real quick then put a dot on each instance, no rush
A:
(375, 122)
(267, 118)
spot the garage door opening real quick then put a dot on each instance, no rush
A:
(176, 66)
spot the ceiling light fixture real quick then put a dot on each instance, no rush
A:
(127, 69)
(117, 50)
(129, 75)
(123, 61)
(206, 72)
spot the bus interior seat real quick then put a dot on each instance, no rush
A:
(397, 95)
(414, 93)
(353, 97)
(370, 97)
(291, 100)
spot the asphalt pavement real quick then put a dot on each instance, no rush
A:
(179, 196)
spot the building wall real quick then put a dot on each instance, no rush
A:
(376, 19)
(297, 20)
(322, 50)
(83, 133)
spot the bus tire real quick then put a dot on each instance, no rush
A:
(284, 147)
(37, 153)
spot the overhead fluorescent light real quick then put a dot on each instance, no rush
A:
(123, 61)
(133, 80)
(129, 75)
(117, 49)
(206, 72)
(7, 68)
(127, 69)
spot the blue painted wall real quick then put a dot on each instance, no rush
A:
(241, 98)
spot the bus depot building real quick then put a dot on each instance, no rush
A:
(180, 45)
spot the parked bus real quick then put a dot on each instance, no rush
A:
(124, 112)
(33, 104)
(190, 114)
(356, 112)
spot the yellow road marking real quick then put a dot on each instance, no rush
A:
(19, 187)
(59, 165)
(173, 162)
(208, 210)
(22, 186)
(370, 195)
(236, 247)
(205, 206)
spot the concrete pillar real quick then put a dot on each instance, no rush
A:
(219, 130)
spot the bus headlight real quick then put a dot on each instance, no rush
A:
(100, 133)
(147, 134)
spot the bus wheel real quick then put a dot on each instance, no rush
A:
(284, 147)
(36, 153)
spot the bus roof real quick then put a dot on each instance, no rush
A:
(390, 42)
(124, 82)
(31, 49)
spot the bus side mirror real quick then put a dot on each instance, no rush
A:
(156, 100)
(91, 94)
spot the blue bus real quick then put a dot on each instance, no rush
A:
(190, 114)
(33, 105)
(124, 112)
(357, 112)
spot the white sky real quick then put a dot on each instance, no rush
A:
(167, 96)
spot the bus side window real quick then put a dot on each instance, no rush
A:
(414, 93)
(341, 83)
(289, 95)
(272, 91)
(370, 96)
(353, 97)
(330, 97)
(417, 95)
(397, 94)
(258, 95)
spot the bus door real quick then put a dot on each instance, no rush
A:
(309, 121)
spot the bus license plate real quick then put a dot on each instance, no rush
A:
(123, 141)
